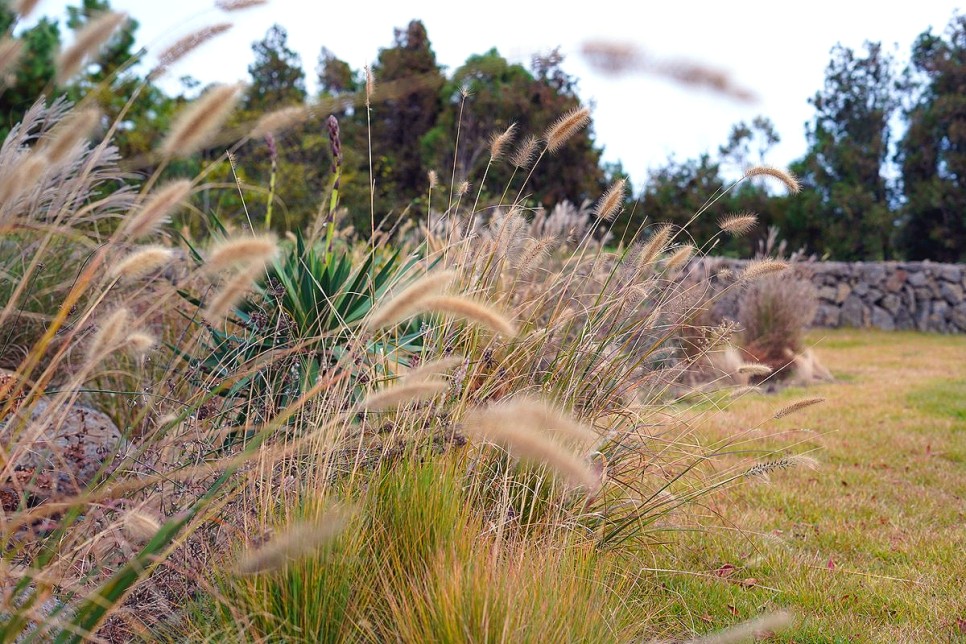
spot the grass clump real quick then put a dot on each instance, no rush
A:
(416, 564)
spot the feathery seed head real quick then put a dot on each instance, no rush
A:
(143, 261)
(370, 83)
(185, 45)
(784, 176)
(257, 250)
(796, 406)
(25, 7)
(471, 310)
(156, 208)
(404, 393)
(238, 5)
(233, 290)
(24, 177)
(432, 368)
(738, 224)
(408, 301)
(755, 369)
(763, 267)
(10, 51)
(140, 342)
(680, 257)
(112, 331)
(565, 127)
(525, 152)
(296, 541)
(197, 123)
(609, 205)
(88, 41)
(68, 133)
(433, 179)
(139, 525)
(499, 142)
(524, 440)
(280, 120)
(654, 246)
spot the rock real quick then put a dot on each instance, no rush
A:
(917, 278)
(57, 453)
(842, 292)
(891, 303)
(958, 316)
(910, 297)
(881, 319)
(896, 280)
(922, 318)
(827, 293)
(953, 293)
(827, 315)
(950, 272)
(853, 312)
(904, 321)
(860, 289)
(874, 295)
(938, 317)
(874, 274)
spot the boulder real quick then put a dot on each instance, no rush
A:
(891, 303)
(958, 316)
(842, 292)
(55, 452)
(950, 272)
(882, 319)
(952, 293)
(853, 312)
(904, 320)
(896, 280)
(917, 278)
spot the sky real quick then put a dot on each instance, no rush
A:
(779, 51)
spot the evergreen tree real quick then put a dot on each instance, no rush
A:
(277, 75)
(844, 168)
(34, 75)
(409, 80)
(932, 154)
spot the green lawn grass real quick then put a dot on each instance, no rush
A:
(871, 546)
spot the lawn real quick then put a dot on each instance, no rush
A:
(870, 545)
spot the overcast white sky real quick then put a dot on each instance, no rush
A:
(778, 50)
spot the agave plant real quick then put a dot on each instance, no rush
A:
(302, 319)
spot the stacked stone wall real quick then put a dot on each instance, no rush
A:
(923, 296)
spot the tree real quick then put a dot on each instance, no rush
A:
(932, 154)
(334, 75)
(674, 194)
(409, 75)
(277, 75)
(848, 151)
(35, 72)
(749, 144)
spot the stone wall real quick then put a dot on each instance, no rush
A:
(922, 296)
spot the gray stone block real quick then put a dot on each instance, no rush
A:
(853, 312)
(881, 319)
(953, 293)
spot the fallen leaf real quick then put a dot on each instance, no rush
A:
(725, 571)
(831, 564)
(732, 610)
(961, 624)
(707, 619)
(751, 582)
